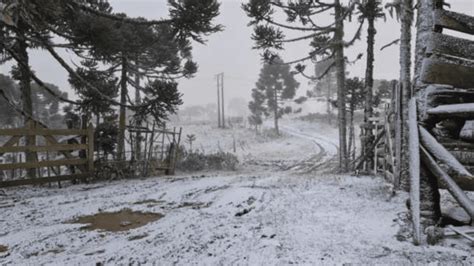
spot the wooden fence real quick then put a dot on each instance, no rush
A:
(386, 145)
(54, 160)
(438, 114)
(159, 148)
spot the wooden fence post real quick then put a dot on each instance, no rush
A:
(398, 135)
(90, 149)
(414, 149)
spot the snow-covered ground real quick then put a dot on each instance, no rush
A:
(268, 212)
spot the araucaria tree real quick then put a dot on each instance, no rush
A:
(369, 10)
(355, 98)
(156, 50)
(91, 103)
(159, 54)
(257, 109)
(275, 83)
(326, 41)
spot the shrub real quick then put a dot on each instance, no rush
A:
(193, 161)
(198, 161)
(222, 161)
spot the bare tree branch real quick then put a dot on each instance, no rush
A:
(395, 42)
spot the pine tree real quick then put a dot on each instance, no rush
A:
(276, 83)
(46, 106)
(90, 101)
(356, 94)
(158, 54)
(327, 84)
(8, 117)
(257, 109)
(89, 28)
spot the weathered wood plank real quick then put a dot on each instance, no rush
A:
(50, 148)
(38, 181)
(461, 233)
(465, 229)
(414, 169)
(449, 45)
(442, 154)
(458, 145)
(361, 159)
(452, 187)
(464, 157)
(42, 164)
(12, 141)
(391, 161)
(465, 110)
(41, 132)
(454, 21)
(52, 140)
(463, 182)
(440, 71)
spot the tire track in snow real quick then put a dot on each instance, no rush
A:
(328, 149)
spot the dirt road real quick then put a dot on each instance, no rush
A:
(257, 215)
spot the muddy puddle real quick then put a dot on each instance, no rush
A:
(3, 249)
(123, 220)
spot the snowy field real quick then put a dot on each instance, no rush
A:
(274, 210)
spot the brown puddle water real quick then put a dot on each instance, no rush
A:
(3, 249)
(123, 220)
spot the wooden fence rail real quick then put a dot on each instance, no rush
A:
(83, 162)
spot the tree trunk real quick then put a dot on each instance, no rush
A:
(369, 83)
(275, 111)
(138, 144)
(351, 127)
(97, 119)
(424, 26)
(340, 80)
(406, 91)
(218, 102)
(123, 111)
(351, 134)
(26, 100)
(329, 98)
(429, 195)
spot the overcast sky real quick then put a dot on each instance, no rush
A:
(231, 52)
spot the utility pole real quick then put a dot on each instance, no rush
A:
(220, 100)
